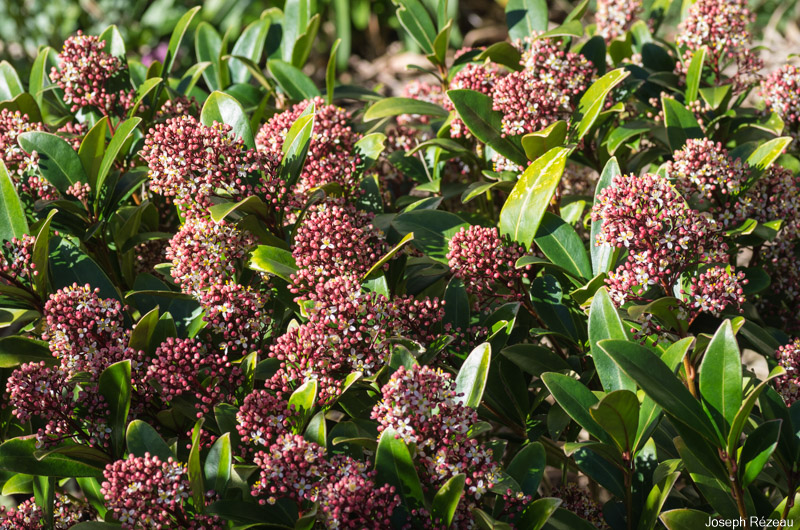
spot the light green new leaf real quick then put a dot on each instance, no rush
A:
(12, 216)
(222, 108)
(721, 375)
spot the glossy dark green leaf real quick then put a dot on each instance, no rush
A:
(16, 350)
(680, 122)
(526, 18)
(576, 400)
(538, 512)
(218, 464)
(58, 162)
(618, 413)
(563, 246)
(19, 455)
(528, 201)
(527, 467)
(250, 44)
(122, 135)
(695, 73)
(757, 450)
(447, 498)
(721, 375)
(602, 255)
(273, 260)
(222, 108)
(115, 387)
(115, 44)
(395, 467)
(685, 519)
(10, 85)
(471, 378)
(12, 216)
(92, 149)
(417, 22)
(593, 100)
(538, 143)
(432, 230)
(475, 109)
(330, 71)
(292, 81)
(208, 48)
(661, 384)
(397, 105)
(655, 501)
(605, 323)
(141, 438)
(195, 471)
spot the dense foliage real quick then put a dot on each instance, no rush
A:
(554, 285)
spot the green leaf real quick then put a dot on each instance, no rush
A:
(538, 143)
(721, 376)
(370, 148)
(141, 438)
(471, 378)
(16, 350)
(685, 519)
(18, 455)
(195, 471)
(446, 499)
(625, 132)
(58, 162)
(176, 38)
(576, 400)
(417, 22)
(475, 110)
(758, 448)
(142, 91)
(68, 265)
(218, 464)
(655, 501)
(208, 48)
(292, 81)
(295, 146)
(251, 204)
(538, 513)
(695, 74)
(525, 18)
(92, 148)
(304, 398)
(394, 466)
(396, 106)
(115, 387)
(12, 215)
(305, 42)
(766, 153)
(527, 467)
(570, 28)
(528, 201)
(680, 122)
(563, 519)
(605, 323)
(503, 53)
(737, 426)
(330, 72)
(603, 256)
(563, 246)
(273, 260)
(121, 136)
(251, 46)
(660, 383)
(18, 484)
(440, 43)
(40, 70)
(10, 85)
(432, 230)
(593, 100)
(389, 255)
(534, 359)
(317, 430)
(115, 45)
(222, 108)
(618, 413)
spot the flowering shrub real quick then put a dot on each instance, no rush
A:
(552, 283)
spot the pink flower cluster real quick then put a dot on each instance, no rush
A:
(615, 17)
(422, 91)
(348, 331)
(664, 238)
(91, 77)
(335, 239)
(721, 26)
(186, 367)
(291, 468)
(545, 90)
(67, 512)
(332, 156)
(788, 384)
(487, 264)
(577, 500)
(263, 417)
(146, 492)
(781, 93)
(16, 262)
(22, 166)
(704, 171)
(191, 162)
(421, 405)
(713, 290)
